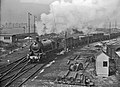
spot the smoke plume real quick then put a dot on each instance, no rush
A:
(79, 14)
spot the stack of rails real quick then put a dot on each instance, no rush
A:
(79, 77)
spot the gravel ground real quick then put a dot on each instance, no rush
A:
(47, 78)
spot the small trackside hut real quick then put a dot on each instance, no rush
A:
(105, 65)
(102, 65)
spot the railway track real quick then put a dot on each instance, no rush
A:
(7, 67)
(17, 70)
(10, 69)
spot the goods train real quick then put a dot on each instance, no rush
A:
(42, 50)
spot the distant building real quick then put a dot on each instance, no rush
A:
(8, 38)
(11, 38)
(108, 30)
(8, 35)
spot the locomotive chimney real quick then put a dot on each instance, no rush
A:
(37, 39)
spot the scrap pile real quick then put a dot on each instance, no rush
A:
(81, 69)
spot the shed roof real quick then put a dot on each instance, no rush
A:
(102, 55)
(118, 53)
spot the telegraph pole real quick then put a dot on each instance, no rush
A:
(24, 29)
(65, 41)
(0, 13)
(29, 14)
(34, 24)
(54, 20)
(109, 30)
(0, 17)
(115, 24)
(88, 41)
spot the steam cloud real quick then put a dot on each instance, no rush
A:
(78, 14)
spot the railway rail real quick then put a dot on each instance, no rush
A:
(5, 68)
(13, 71)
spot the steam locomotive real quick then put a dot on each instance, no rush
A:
(43, 50)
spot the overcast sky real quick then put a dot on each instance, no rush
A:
(16, 10)
(37, 1)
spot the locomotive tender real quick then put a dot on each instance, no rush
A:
(42, 50)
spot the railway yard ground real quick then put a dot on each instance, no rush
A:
(14, 53)
(48, 75)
